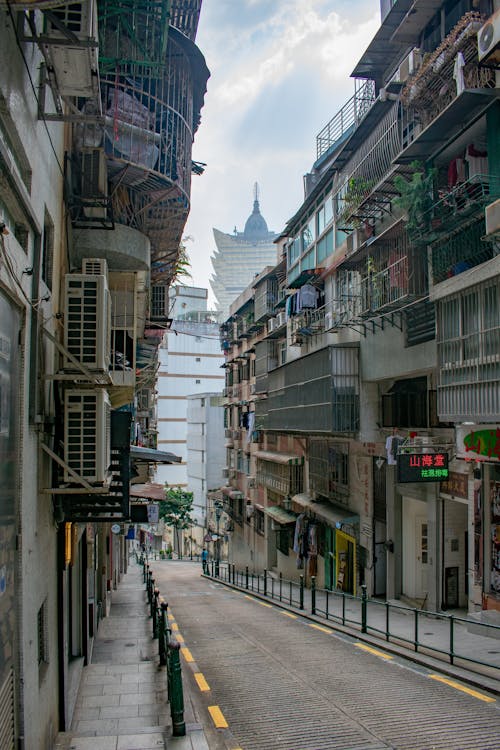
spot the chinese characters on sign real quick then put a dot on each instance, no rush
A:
(422, 467)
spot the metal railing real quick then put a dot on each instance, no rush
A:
(348, 117)
(446, 636)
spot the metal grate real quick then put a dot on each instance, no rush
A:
(7, 722)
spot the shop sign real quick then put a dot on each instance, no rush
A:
(457, 485)
(480, 443)
(422, 467)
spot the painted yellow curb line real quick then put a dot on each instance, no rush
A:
(458, 686)
(175, 626)
(187, 654)
(171, 617)
(373, 651)
(202, 683)
(263, 604)
(289, 614)
(318, 627)
(217, 717)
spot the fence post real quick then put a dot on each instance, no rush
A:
(301, 592)
(162, 648)
(313, 595)
(145, 572)
(281, 583)
(212, 567)
(155, 612)
(363, 608)
(265, 582)
(452, 638)
(176, 695)
(152, 598)
(246, 577)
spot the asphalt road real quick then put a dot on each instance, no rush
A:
(280, 682)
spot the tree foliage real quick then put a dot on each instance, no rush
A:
(176, 509)
(416, 197)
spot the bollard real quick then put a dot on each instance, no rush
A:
(162, 634)
(246, 577)
(212, 568)
(175, 693)
(313, 595)
(363, 608)
(155, 612)
(281, 583)
(144, 572)
(301, 592)
(151, 597)
(265, 582)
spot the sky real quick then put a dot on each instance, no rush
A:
(280, 70)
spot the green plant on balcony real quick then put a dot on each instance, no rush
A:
(357, 190)
(416, 198)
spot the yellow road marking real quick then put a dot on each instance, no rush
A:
(217, 717)
(171, 617)
(318, 627)
(175, 626)
(289, 614)
(187, 654)
(249, 597)
(458, 686)
(179, 638)
(263, 604)
(373, 651)
(202, 683)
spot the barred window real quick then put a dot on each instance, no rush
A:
(42, 627)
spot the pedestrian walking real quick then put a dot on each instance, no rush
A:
(204, 560)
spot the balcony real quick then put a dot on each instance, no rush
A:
(436, 108)
(307, 323)
(400, 282)
(347, 119)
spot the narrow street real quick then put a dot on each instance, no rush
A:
(282, 682)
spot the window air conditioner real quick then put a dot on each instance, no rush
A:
(281, 319)
(75, 65)
(488, 41)
(408, 66)
(87, 321)
(271, 325)
(87, 429)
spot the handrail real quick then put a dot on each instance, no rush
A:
(348, 116)
(394, 623)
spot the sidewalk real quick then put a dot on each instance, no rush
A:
(122, 700)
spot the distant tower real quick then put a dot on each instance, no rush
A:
(241, 256)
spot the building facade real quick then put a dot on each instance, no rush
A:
(372, 345)
(240, 256)
(84, 254)
(190, 363)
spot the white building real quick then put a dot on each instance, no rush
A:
(190, 363)
(206, 452)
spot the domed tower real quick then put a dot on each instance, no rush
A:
(240, 256)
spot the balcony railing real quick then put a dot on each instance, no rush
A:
(347, 118)
(308, 322)
(402, 280)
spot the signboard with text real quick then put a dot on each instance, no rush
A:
(422, 467)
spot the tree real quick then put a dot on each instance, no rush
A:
(176, 509)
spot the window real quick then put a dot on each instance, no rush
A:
(197, 382)
(198, 359)
(259, 521)
(308, 234)
(294, 251)
(406, 404)
(329, 468)
(324, 215)
(284, 540)
(325, 246)
(47, 250)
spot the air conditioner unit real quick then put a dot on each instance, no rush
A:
(93, 186)
(488, 42)
(87, 321)
(95, 266)
(408, 66)
(281, 319)
(271, 325)
(87, 429)
(75, 65)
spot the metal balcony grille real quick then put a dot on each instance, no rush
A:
(329, 469)
(347, 118)
(461, 251)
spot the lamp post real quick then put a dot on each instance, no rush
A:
(218, 513)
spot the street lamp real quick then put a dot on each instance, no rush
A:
(218, 513)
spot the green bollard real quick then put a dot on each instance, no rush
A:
(162, 634)
(176, 695)
(363, 608)
(301, 592)
(155, 613)
(246, 577)
(265, 582)
(151, 597)
(313, 595)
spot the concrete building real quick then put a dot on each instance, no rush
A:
(369, 369)
(81, 251)
(190, 363)
(240, 256)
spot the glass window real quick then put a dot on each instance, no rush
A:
(325, 246)
(309, 260)
(294, 251)
(324, 215)
(308, 234)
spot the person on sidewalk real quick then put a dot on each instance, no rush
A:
(204, 560)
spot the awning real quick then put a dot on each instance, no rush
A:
(280, 515)
(279, 458)
(148, 491)
(308, 276)
(333, 515)
(138, 453)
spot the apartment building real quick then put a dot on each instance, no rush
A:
(96, 130)
(373, 368)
